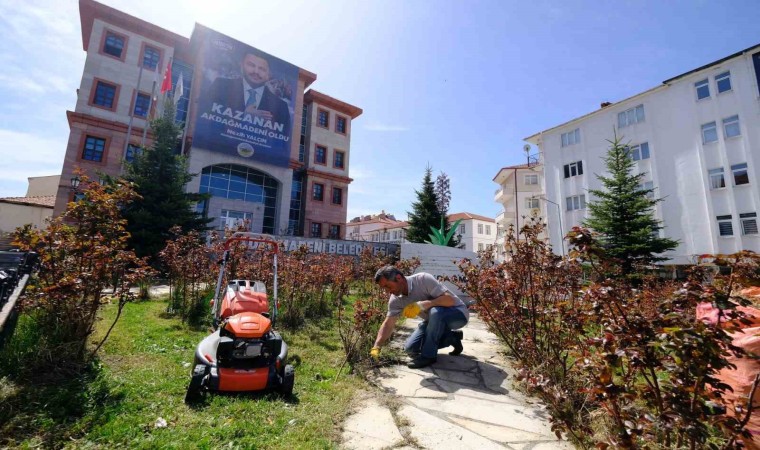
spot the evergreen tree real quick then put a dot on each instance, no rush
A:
(425, 212)
(623, 213)
(443, 193)
(160, 175)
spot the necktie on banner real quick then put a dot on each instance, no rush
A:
(251, 98)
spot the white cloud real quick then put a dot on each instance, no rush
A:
(377, 126)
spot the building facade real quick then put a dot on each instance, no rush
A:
(520, 195)
(696, 138)
(272, 154)
(373, 228)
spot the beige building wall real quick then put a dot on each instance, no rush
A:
(42, 186)
(14, 215)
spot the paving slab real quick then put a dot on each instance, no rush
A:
(460, 402)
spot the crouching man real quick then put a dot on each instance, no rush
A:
(421, 295)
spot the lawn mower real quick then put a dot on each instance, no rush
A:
(244, 353)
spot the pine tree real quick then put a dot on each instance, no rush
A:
(160, 175)
(425, 212)
(623, 213)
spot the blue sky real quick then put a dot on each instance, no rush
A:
(453, 84)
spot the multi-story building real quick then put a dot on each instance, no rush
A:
(520, 195)
(696, 138)
(474, 233)
(371, 227)
(270, 153)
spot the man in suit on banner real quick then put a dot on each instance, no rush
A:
(250, 93)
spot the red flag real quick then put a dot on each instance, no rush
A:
(166, 85)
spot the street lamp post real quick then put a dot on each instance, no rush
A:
(559, 216)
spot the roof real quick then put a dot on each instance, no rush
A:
(466, 216)
(664, 84)
(45, 201)
(518, 167)
(323, 99)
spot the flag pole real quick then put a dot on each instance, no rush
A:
(150, 114)
(131, 117)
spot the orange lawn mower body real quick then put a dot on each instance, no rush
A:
(244, 353)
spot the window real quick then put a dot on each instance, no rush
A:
(318, 192)
(709, 133)
(639, 152)
(631, 116)
(749, 223)
(531, 179)
(724, 82)
(647, 186)
(717, 180)
(480, 228)
(574, 169)
(703, 89)
(340, 125)
(93, 149)
(725, 227)
(338, 159)
(114, 44)
(323, 118)
(740, 174)
(532, 203)
(337, 196)
(235, 220)
(461, 229)
(731, 126)
(132, 152)
(320, 155)
(334, 232)
(151, 57)
(142, 105)
(488, 230)
(571, 137)
(480, 246)
(576, 202)
(105, 95)
(316, 230)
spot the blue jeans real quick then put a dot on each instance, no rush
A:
(435, 332)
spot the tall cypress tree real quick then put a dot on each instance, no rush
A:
(443, 195)
(160, 175)
(623, 213)
(425, 212)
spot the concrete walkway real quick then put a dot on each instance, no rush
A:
(460, 402)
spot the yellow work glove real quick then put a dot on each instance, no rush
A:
(375, 353)
(411, 310)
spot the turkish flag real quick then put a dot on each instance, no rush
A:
(166, 85)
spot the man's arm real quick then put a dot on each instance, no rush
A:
(443, 300)
(385, 330)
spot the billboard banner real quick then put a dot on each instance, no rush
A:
(246, 102)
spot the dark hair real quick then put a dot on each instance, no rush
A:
(387, 272)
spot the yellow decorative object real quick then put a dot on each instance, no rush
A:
(411, 310)
(375, 353)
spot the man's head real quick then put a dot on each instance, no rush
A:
(255, 69)
(391, 280)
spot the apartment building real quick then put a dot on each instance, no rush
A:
(696, 137)
(271, 152)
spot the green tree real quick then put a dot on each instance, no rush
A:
(425, 212)
(159, 176)
(623, 213)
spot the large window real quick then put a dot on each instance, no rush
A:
(488, 230)
(238, 182)
(235, 220)
(639, 152)
(532, 203)
(114, 44)
(725, 227)
(576, 202)
(717, 180)
(142, 105)
(318, 192)
(709, 133)
(334, 232)
(573, 169)
(105, 94)
(316, 230)
(571, 137)
(749, 223)
(320, 154)
(531, 179)
(703, 89)
(132, 152)
(340, 125)
(323, 118)
(339, 160)
(337, 196)
(740, 174)
(731, 126)
(723, 81)
(631, 116)
(480, 228)
(151, 57)
(94, 148)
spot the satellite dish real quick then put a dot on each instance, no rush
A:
(526, 148)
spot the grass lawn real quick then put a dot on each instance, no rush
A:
(143, 372)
